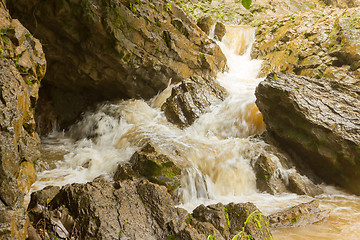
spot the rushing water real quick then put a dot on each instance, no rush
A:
(216, 151)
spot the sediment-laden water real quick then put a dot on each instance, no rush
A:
(216, 150)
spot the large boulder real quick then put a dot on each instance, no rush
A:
(134, 210)
(317, 122)
(22, 66)
(190, 99)
(101, 50)
(322, 43)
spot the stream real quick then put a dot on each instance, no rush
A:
(216, 151)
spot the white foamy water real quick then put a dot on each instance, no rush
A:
(216, 151)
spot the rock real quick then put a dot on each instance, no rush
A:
(155, 167)
(190, 99)
(22, 66)
(214, 214)
(104, 50)
(342, 3)
(319, 43)
(242, 219)
(205, 24)
(316, 121)
(232, 12)
(220, 31)
(13, 224)
(302, 185)
(136, 210)
(275, 173)
(245, 217)
(299, 215)
(41, 199)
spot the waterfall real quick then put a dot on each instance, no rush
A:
(215, 151)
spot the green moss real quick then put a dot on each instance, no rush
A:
(167, 7)
(189, 219)
(172, 237)
(227, 218)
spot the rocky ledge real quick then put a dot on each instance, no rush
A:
(322, 43)
(101, 50)
(136, 210)
(317, 122)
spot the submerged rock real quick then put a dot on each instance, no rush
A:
(22, 66)
(136, 210)
(317, 122)
(299, 215)
(190, 99)
(102, 50)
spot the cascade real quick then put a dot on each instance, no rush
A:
(216, 151)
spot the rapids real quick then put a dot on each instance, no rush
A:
(216, 151)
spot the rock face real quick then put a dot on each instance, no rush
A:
(100, 50)
(299, 215)
(190, 99)
(22, 66)
(232, 12)
(134, 210)
(319, 43)
(317, 123)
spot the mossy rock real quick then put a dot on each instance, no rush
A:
(150, 164)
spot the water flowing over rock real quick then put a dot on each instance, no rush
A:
(100, 50)
(134, 210)
(318, 43)
(276, 173)
(190, 99)
(299, 215)
(22, 66)
(317, 123)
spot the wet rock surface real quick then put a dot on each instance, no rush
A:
(22, 66)
(299, 215)
(155, 167)
(242, 219)
(316, 121)
(136, 210)
(319, 43)
(275, 173)
(190, 99)
(101, 50)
